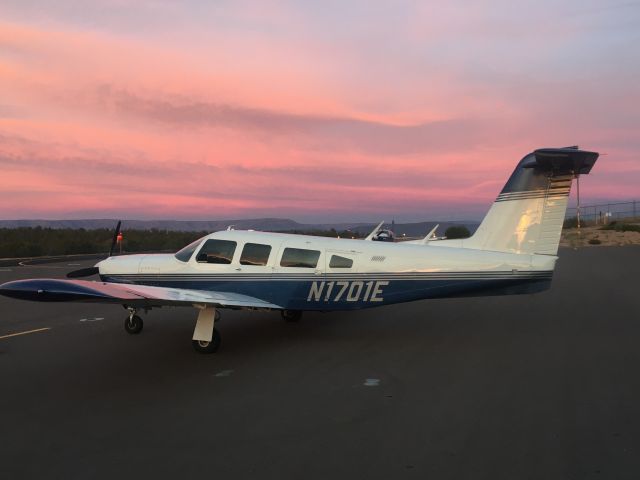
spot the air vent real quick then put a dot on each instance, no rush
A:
(378, 258)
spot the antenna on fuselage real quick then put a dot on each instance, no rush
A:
(431, 235)
(374, 231)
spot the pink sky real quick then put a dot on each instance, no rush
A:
(209, 110)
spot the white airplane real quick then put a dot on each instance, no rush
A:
(512, 252)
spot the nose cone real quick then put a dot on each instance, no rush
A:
(99, 265)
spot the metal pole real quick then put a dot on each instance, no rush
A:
(578, 207)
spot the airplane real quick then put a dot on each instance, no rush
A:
(513, 251)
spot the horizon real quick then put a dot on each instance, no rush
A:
(345, 217)
(368, 110)
(311, 223)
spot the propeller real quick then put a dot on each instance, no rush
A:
(87, 272)
(115, 237)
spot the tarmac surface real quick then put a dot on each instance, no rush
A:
(536, 386)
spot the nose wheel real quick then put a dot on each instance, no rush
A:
(133, 323)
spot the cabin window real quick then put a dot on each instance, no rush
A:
(299, 257)
(185, 253)
(217, 251)
(255, 254)
(340, 262)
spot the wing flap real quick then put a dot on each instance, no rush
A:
(54, 290)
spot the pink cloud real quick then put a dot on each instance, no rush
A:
(243, 125)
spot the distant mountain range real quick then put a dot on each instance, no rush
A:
(265, 224)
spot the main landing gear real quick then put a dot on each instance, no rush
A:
(206, 339)
(204, 346)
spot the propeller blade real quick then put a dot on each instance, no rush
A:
(115, 237)
(83, 272)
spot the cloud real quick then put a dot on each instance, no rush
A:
(323, 131)
(191, 189)
(251, 110)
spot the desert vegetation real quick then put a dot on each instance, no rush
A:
(617, 232)
(38, 241)
(34, 242)
(457, 231)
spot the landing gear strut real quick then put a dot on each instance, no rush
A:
(291, 315)
(206, 339)
(133, 324)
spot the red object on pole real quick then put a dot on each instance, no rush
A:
(119, 237)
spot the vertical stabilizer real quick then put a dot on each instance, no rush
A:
(528, 215)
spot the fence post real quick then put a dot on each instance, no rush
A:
(578, 205)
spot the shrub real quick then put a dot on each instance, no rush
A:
(32, 242)
(572, 222)
(457, 231)
(621, 227)
(627, 227)
(594, 241)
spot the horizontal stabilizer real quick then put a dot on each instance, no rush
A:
(563, 161)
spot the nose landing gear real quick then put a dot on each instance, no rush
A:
(133, 323)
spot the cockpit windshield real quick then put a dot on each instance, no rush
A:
(185, 254)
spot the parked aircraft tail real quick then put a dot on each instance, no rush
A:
(528, 214)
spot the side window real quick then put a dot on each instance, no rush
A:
(216, 251)
(255, 254)
(299, 257)
(340, 262)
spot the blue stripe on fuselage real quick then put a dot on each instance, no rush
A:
(353, 291)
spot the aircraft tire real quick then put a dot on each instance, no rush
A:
(208, 347)
(291, 315)
(133, 325)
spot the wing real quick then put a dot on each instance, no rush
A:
(53, 290)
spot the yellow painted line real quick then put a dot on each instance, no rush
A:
(25, 333)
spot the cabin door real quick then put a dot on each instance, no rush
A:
(342, 286)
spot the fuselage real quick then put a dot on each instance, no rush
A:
(318, 273)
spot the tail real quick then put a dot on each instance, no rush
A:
(528, 214)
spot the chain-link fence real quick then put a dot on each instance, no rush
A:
(606, 212)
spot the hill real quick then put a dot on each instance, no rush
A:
(416, 229)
